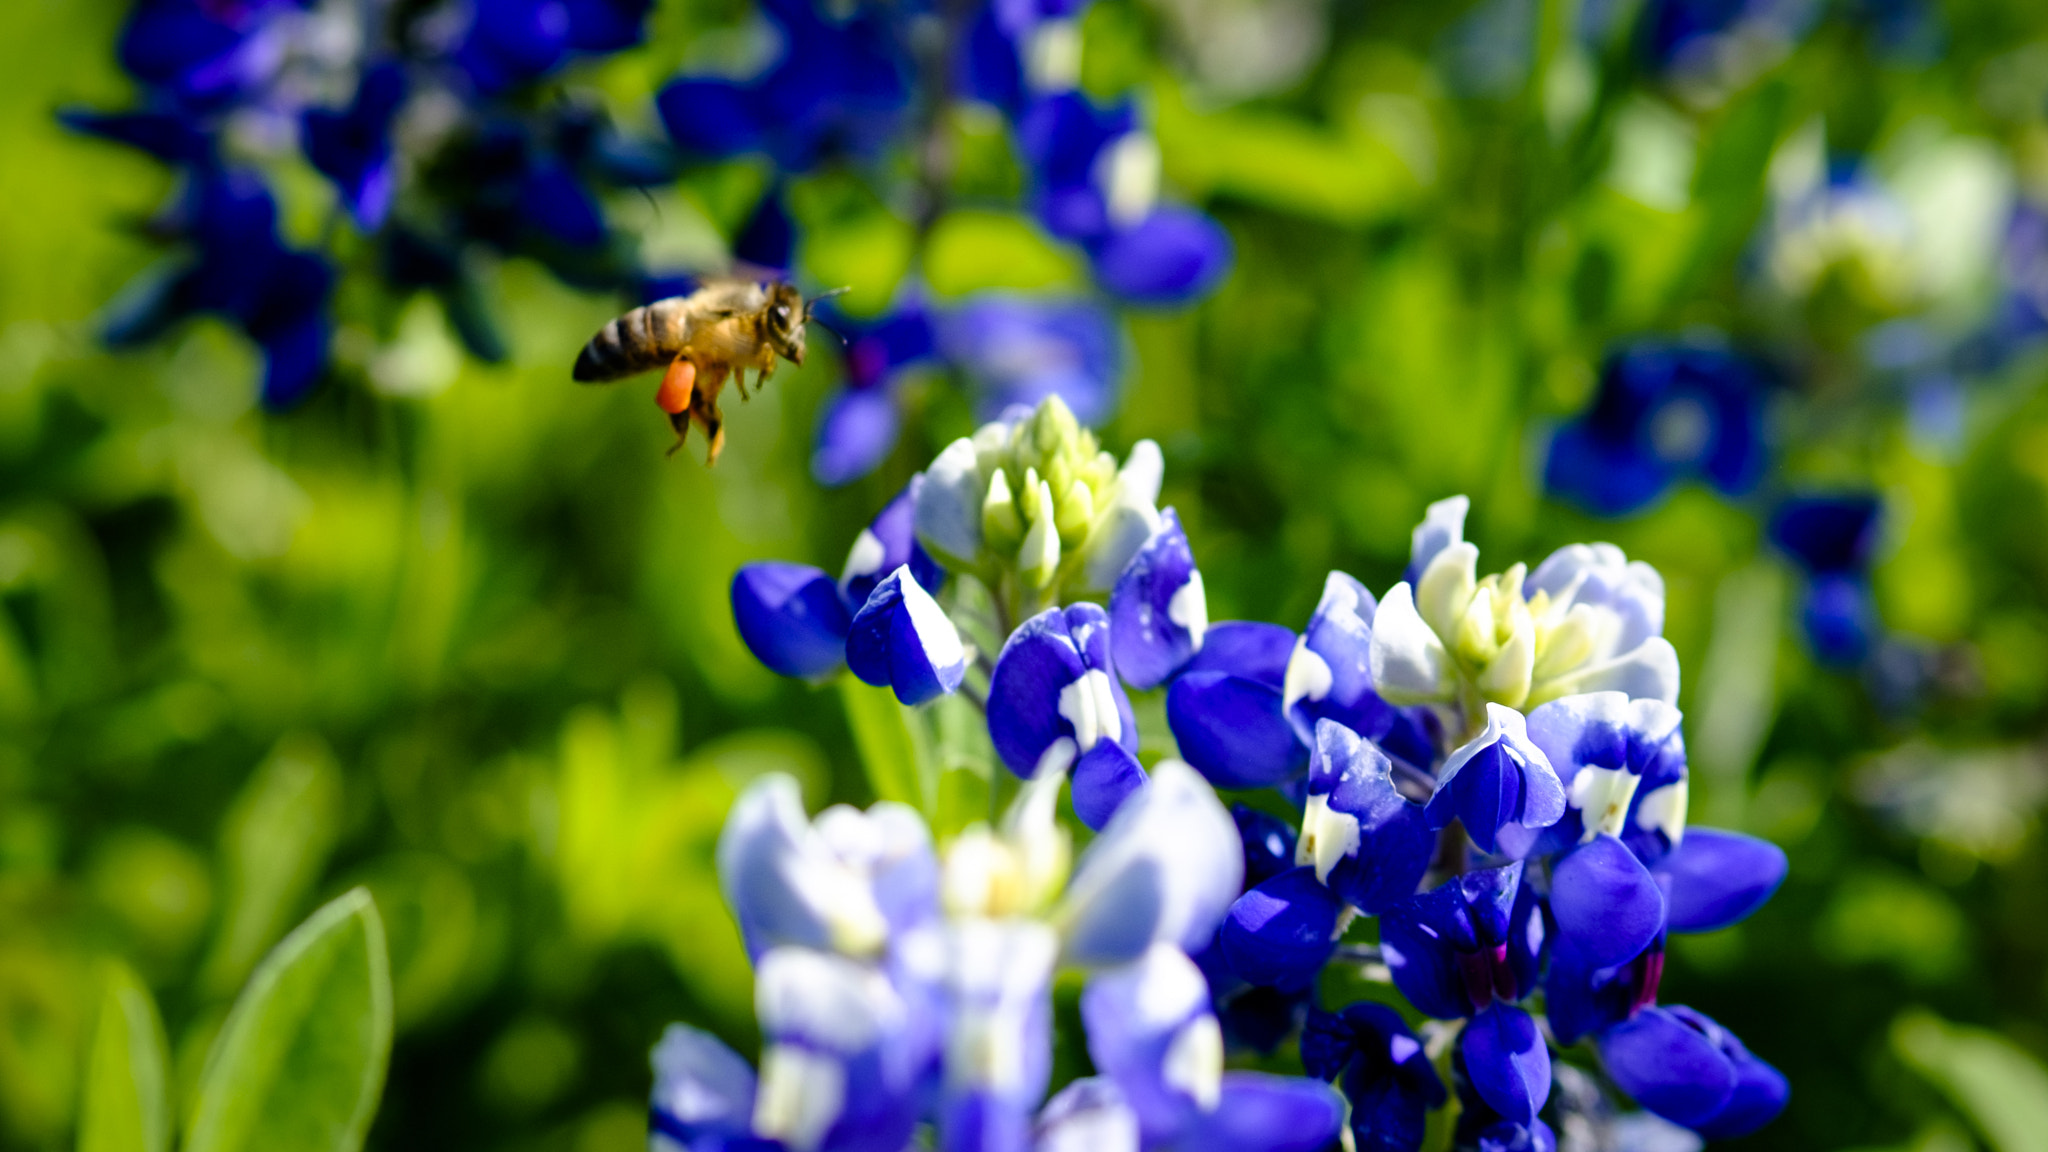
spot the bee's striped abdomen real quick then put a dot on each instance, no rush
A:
(636, 342)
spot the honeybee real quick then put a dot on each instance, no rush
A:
(714, 333)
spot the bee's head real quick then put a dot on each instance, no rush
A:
(785, 322)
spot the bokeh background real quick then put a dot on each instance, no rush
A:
(459, 630)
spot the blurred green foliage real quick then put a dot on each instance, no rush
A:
(460, 635)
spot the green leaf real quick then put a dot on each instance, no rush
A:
(274, 842)
(2000, 1087)
(300, 1061)
(974, 250)
(894, 747)
(124, 1107)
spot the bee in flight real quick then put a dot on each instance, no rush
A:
(714, 333)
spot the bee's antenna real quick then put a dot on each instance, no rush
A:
(811, 305)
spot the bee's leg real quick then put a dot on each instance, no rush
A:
(712, 421)
(739, 377)
(680, 421)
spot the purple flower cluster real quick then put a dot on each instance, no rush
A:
(1487, 779)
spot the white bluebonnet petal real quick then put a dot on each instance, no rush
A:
(1443, 524)
(784, 883)
(1282, 932)
(1166, 867)
(1368, 842)
(1507, 1061)
(1607, 906)
(946, 504)
(1409, 662)
(1329, 673)
(1130, 518)
(703, 1091)
(1151, 1030)
(1499, 785)
(890, 846)
(1054, 680)
(1158, 611)
(1649, 671)
(1088, 1115)
(888, 542)
(998, 1032)
(1622, 763)
(845, 1062)
(792, 617)
(1602, 576)
(902, 639)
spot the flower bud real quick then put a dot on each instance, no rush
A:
(1002, 526)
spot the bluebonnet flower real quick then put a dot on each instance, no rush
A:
(1831, 538)
(1159, 608)
(237, 268)
(1664, 411)
(353, 147)
(1096, 183)
(1716, 45)
(510, 43)
(1055, 702)
(1384, 1071)
(837, 86)
(1034, 508)
(1499, 785)
(1585, 620)
(1244, 707)
(1470, 948)
(858, 426)
(800, 622)
(893, 990)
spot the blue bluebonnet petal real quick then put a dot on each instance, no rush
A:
(701, 1088)
(886, 544)
(1839, 617)
(1761, 1091)
(1508, 1136)
(1586, 999)
(1607, 905)
(352, 147)
(181, 47)
(855, 434)
(1668, 1066)
(1268, 843)
(1508, 1062)
(1172, 256)
(1158, 611)
(1454, 941)
(1281, 933)
(294, 357)
(1612, 751)
(710, 117)
(791, 617)
(1258, 652)
(902, 639)
(553, 201)
(1496, 780)
(1061, 137)
(1166, 867)
(1716, 878)
(1150, 1029)
(1054, 681)
(1828, 535)
(1232, 729)
(1383, 1070)
(768, 239)
(1329, 672)
(1104, 777)
(1368, 842)
(1088, 1115)
(1261, 1112)
(605, 25)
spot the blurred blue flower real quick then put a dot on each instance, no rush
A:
(839, 86)
(514, 42)
(858, 426)
(1019, 350)
(1095, 181)
(1723, 40)
(1831, 538)
(1664, 412)
(353, 147)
